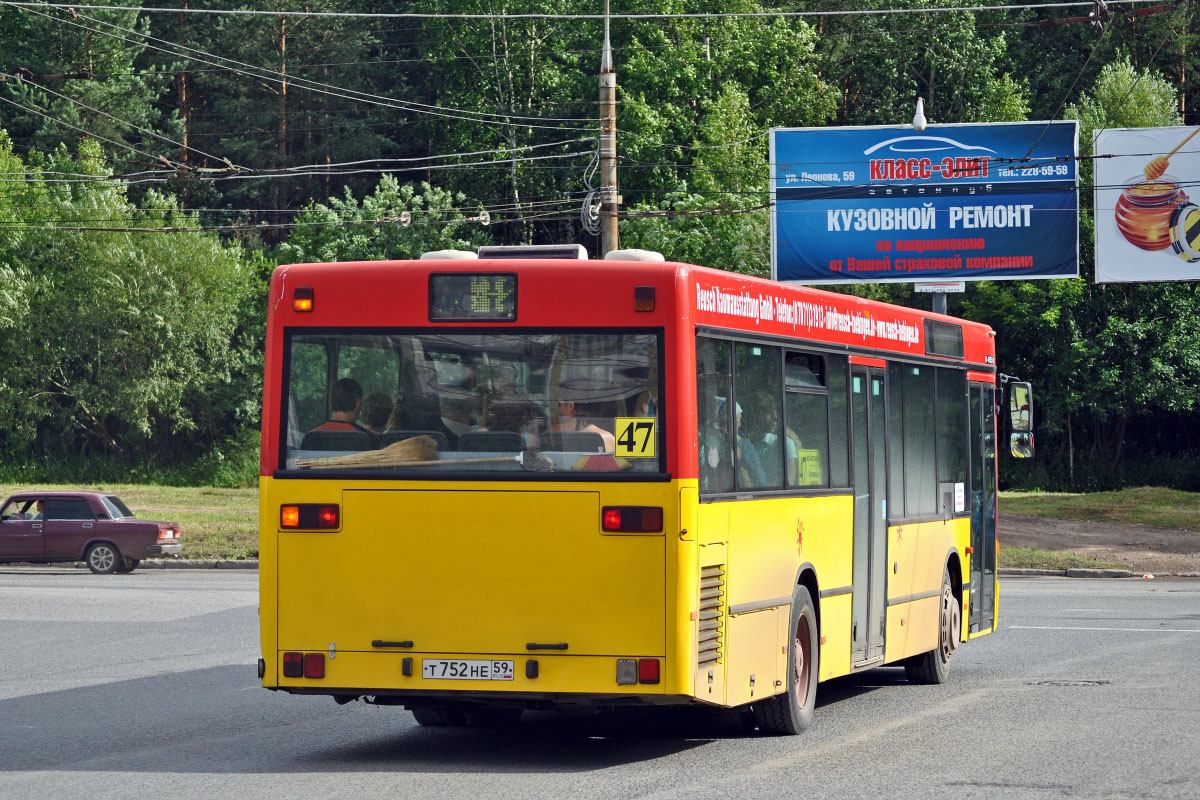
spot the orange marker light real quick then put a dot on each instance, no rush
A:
(302, 298)
(289, 516)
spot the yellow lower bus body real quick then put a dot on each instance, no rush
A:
(522, 572)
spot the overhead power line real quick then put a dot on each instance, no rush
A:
(253, 71)
(662, 16)
(118, 120)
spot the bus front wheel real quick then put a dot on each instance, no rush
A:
(934, 667)
(791, 712)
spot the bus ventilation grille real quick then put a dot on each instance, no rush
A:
(711, 641)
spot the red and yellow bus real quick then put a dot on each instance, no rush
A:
(526, 480)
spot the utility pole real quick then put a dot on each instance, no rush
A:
(610, 199)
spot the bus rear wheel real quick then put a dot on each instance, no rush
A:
(791, 712)
(934, 667)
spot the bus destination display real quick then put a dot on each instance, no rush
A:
(473, 296)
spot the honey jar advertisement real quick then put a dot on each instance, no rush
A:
(1147, 204)
(987, 201)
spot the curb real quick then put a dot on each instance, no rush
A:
(188, 563)
(198, 563)
(1080, 572)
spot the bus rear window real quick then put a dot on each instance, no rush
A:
(415, 402)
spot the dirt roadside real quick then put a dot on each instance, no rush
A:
(1140, 548)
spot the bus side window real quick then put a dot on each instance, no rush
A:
(713, 412)
(807, 431)
(758, 385)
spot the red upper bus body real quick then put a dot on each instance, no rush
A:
(599, 295)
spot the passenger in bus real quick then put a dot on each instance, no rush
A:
(766, 440)
(517, 413)
(641, 391)
(376, 410)
(575, 399)
(750, 469)
(456, 416)
(345, 401)
(716, 458)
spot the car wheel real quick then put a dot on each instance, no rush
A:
(129, 565)
(103, 558)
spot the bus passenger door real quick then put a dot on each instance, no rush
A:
(867, 415)
(983, 508)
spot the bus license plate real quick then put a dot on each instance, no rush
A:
(459, 669)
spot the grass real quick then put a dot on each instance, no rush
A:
(223, 523)
(1148, 505)
(1037, 558)
(215, 523)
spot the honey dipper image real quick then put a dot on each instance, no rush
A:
(1158, 166)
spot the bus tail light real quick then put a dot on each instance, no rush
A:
(302, 298)
(320, 516)
(293, 665)
(637, 519)
(637, 670)
(314, 665)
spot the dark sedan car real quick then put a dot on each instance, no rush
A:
(92, 527)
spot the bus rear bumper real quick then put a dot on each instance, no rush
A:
(481, 700)
(530, 681)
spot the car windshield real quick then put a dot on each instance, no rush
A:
(529, 402)
(116, 509)
(14, 509)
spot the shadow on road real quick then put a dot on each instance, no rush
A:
(219, 720)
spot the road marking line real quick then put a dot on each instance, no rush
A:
(1123, 630)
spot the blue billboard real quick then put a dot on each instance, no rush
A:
(988, 201)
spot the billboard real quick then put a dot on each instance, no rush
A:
(1147, 225)
(954, 202)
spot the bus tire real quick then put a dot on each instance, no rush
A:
(433, 717)
(791, 712)
(934, 667)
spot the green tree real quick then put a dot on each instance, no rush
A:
(79, 74)
(274, 92)
(1104, 355)
(395, 221)
(880, 64)
(121, 340)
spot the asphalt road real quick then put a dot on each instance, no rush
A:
(143, 686)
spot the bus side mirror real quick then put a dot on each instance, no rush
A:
(1020, 444)
(1020, 407)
